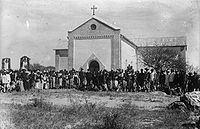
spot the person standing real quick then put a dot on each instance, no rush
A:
(147, 80)
(182, 81)
(167, 79)
(152, 80)
(81, 76)
(32, 79)
(38, 80)
(171, 79)
(4, 82)
(190, 86)
(53, 80)
(76, 80)
(20, 82)
(162, 81)
(45, 83)
(88, 78)
(195, 81)
(112, 78)
(141, 79)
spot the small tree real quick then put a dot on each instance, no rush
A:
(160, 57)
(192, 68)
(37, 66)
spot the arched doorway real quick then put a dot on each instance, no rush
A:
(94, 66)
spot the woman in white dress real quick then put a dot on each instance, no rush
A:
(38, 81)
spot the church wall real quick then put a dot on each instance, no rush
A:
(85, 34)
(61, 59)
(83, 49)
(63, 63)
(86, 30)
(128, 55)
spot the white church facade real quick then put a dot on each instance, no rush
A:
(98, 45)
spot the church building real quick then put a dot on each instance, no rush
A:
(98, 45)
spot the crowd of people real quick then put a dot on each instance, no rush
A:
(128, 80)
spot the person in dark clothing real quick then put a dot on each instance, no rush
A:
(137, 81)
(75, 80)
(112, 78)
(141, 79)
(81, 77)
(24, 79)
(12, 77)
(88, 78)
(190, 86)
(133, 80)
(32, 79)
(129, 83)
(162, 80)
(146, 80)
(95, 81)
(120, 80)
(182, 81)
(100, 79)
(176, 79)
(195, 81)
(64, 81)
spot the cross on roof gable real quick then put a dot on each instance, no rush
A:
(99, 20)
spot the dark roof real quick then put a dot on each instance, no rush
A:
(60, 49)
(160, 41)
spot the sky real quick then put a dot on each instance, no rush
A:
(35, 27)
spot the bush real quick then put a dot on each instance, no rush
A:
(45, 115)
(41, 114)
(113, 121)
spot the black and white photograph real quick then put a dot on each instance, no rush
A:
(99, 64)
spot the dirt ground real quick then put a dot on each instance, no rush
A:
(144, 101)
(149, 101)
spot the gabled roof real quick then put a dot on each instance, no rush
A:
(99, 20)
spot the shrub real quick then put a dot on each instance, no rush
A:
(113, 121)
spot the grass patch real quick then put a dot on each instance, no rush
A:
(44, 115)
(160, 119)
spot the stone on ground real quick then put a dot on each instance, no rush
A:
(191, 100)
